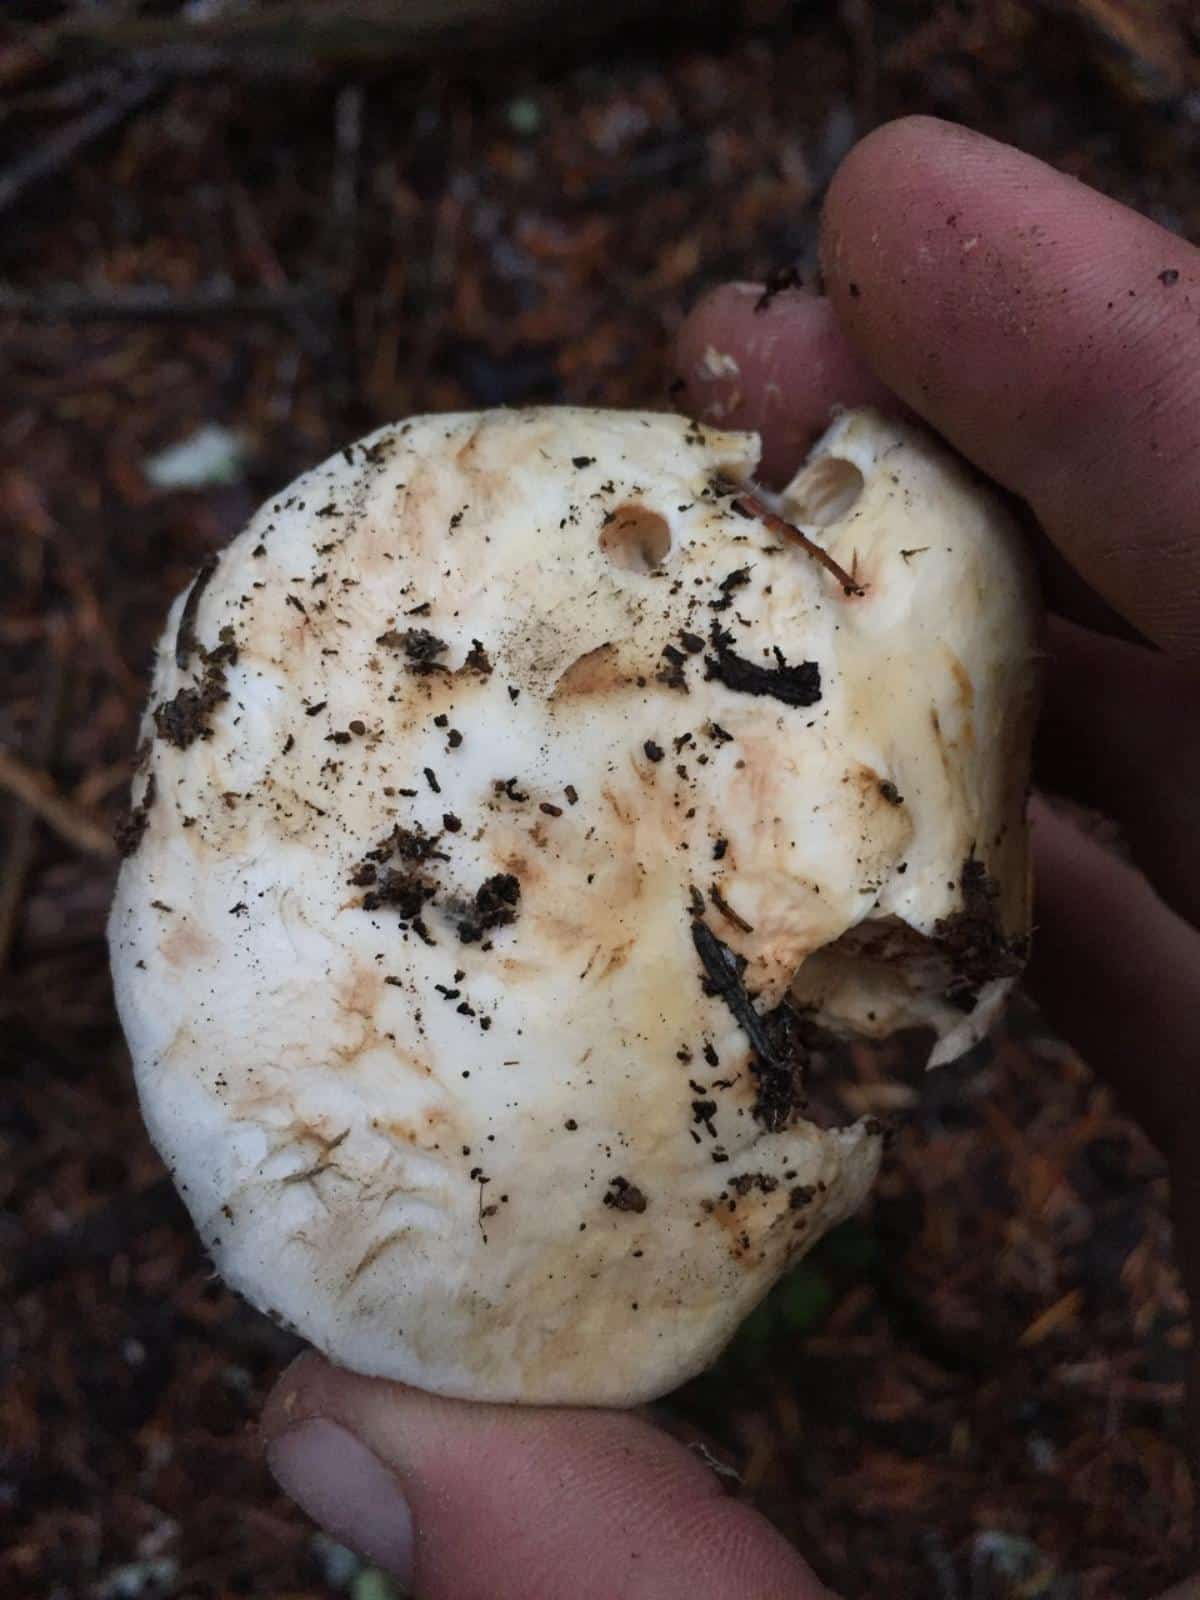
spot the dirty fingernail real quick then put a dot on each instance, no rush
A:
(346, 1488)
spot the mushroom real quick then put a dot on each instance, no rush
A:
(522, 793)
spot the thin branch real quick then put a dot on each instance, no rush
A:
(787, 530)
(62, 147)
(35, 517)
(37, 792)
(153, 303)
(22, 829)
(727, 911)
(297, 39)
(348, 132)
(858, 18)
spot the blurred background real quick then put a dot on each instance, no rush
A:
(235, 234)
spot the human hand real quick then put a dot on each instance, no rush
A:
(1054, 338)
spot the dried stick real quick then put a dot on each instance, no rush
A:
(39, 795)
(787, 530)
(300, 39)
(150, 303)
(62, 147)
(23, 823)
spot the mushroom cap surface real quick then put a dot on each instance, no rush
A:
(517, 800)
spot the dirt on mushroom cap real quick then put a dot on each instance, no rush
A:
(432, 1089)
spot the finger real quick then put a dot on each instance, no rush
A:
(1110, 736)
(776, 365)
(1115, 971)
(472, 1502)
(781, 368)
(1051, 334)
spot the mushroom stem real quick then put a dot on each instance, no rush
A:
(777, 524)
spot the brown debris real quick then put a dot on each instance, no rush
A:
(622, 1195)
(477, 660)
(778, 281)
(494, 906)
(795, 685)
(131, 827)
(421, 648)
(974, 941)
(187, 716)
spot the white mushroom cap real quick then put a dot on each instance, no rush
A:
(501, 779)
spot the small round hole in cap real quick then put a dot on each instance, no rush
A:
(827, 492)
(636, 538)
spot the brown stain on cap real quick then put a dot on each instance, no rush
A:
(614, 960)
(596, 672)
(745, 1221)
(359, 992)
(185, 945)
(962, 682)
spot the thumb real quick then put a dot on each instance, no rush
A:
(459, 1501)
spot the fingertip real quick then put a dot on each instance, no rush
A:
(708, 354)
(1048, 332)
(506, 1501)
(346, 1488)
(887, 189)
(880, 172)
(294, 1397)
(774, 363)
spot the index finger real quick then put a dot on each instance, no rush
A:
(1049, 333)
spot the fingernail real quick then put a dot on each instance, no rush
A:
(348, 1490)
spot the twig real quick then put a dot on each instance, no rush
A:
(721, 969)
(276, 290)
(92, 619)
(787, 530)
(153, 303)
(254, 237)
(859, 21)
(63, 146)
(342, 224)
(727, 911)
(96, 786)
(299, 38)
(37, 792)
(34, 515)
(443, 254)
(185, 632)
(22, 830)
(348, 126)
(58, 97)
